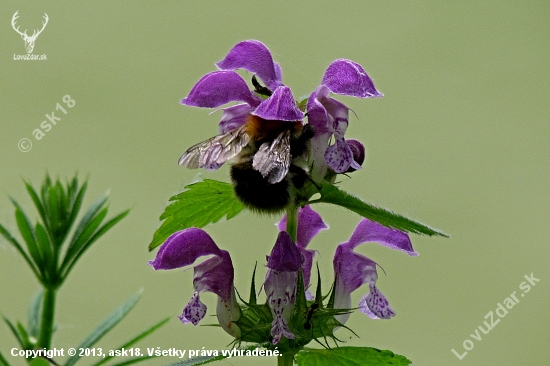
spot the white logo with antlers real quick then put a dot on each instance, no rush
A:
(29, 40)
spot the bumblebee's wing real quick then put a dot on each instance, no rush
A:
(273, 160)
(212, 153)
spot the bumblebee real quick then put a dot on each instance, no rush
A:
(267, 154)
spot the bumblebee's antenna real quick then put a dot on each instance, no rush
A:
(259, 88)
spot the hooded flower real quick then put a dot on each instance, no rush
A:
(220, 87)
(351, 269)
(213, 275)
(329, 117)
(310, 224)
(284, 262)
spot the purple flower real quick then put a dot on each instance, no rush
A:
(284, 262)
(220, 87)
(329, 117)
(310, 224)
(213, 275)
(351, 269)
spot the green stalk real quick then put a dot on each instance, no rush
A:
(286, 359)
(292, 222)
(48, 312)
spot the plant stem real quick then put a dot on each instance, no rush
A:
(292, 222)
(286, 359)
(48, 312)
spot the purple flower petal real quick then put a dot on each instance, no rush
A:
(234, 117)
(349, 78)
(358, 152)
(255, 57)
(215, 275)
(280, 106)
(280, 288)
(310, 224)
(285, 255)
(339, 156)
(218, 88)
(183, 248)
(351, 270)
(194, 311)
(370, 231)
(375, 304)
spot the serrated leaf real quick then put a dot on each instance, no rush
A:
(332, 194)
(105, 326)
(349, 356)
(200, 204)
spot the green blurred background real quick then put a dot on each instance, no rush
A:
(460, 141)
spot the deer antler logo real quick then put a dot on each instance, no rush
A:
(29, 40)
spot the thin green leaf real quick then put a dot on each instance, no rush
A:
(136, 339)
(349, 356)
(35, 312)
(78, 242)
(102, 230)
(332, 194)
(106, 326)
(6, 234)
(15, 332)
(37, 202)
(54, 201)
(200, 204)
(39, 361)
(27, 344)
(76, 204)
(3, 361)
(202, 360)
(27, 232)
(133, 360)
(88, 216)
(45, 247)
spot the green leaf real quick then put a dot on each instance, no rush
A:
(6, 234)
(200, 204)
(80, 238)
(27, 232)
(89, 216)
(37, 202)
(76, 202)
(332, 194)
(202, 360)
(349, 356)
(35, 311)
(45, 247)
(102, 230)
(15, 332)
(135, 340)
(105, 326)
(27, 344)
(133, 360)
(3, 361)
(39, 361)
